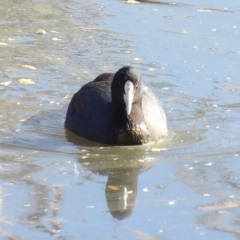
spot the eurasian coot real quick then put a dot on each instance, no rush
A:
(117, 109)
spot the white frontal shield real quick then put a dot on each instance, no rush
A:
(128, 96)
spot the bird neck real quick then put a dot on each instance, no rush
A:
(128, 129)
(137, 113)
(123, 119)
(120, 118)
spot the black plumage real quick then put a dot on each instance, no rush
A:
(99, 112)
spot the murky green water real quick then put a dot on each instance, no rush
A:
(54, 185)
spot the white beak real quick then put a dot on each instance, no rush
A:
(128, 96)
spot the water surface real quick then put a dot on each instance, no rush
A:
(54, 185)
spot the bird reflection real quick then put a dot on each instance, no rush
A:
(121, 192)
(122, 165)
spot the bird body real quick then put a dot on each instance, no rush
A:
(117, 109)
